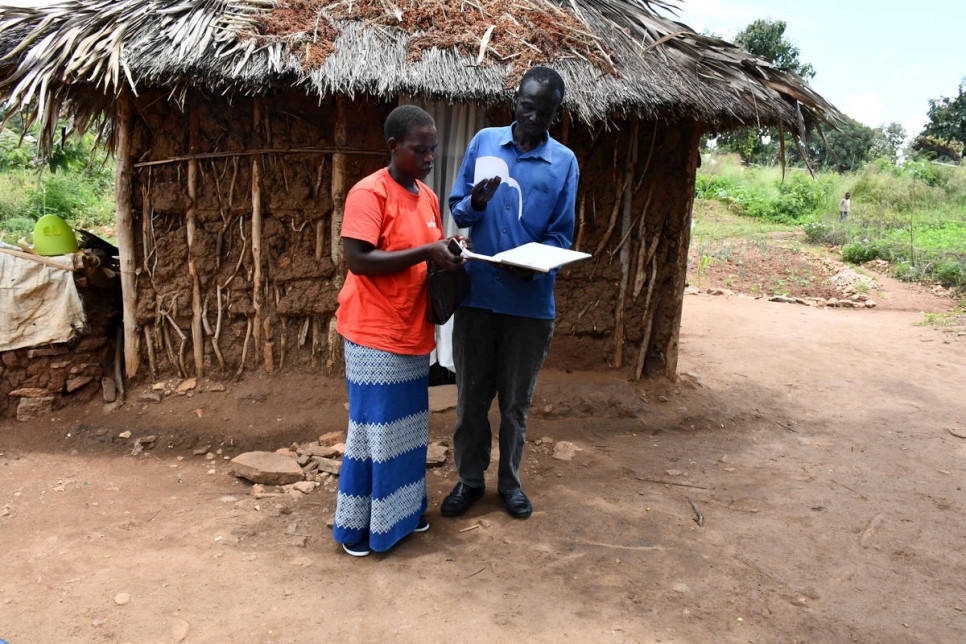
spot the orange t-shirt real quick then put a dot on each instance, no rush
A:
(388, 312)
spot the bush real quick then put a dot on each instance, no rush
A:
(860, 253)
(950, 273)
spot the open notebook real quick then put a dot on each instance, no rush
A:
(533, 256)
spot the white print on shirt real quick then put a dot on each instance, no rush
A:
(431, 224)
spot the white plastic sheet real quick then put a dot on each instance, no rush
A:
(39, 304)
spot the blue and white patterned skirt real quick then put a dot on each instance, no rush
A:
(382, 485)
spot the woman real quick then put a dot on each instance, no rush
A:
(390, 228)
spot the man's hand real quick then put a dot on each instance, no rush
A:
(483, 192)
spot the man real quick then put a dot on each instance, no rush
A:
(502, 332)
(845, 207)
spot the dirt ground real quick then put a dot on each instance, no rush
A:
(823, 448)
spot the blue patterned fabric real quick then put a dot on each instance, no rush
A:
(382, 485)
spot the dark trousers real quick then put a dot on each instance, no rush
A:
(495, 355)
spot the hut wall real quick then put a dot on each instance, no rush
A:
(633, 286)
(291, 138)
(634, 210)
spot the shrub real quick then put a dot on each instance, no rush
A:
(950, 273)
(860, 253)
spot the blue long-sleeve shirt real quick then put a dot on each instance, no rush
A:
(548, 177)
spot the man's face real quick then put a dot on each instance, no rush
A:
(416, 153)
(535, 108)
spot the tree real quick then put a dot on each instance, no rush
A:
(845, 149)
(887, 141)
(946, 127)
(764, 38)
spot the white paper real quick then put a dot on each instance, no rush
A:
(533, 256)
(489, 167)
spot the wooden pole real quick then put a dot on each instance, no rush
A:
(124, 122)
(338, 184)
(629, 163)
(191, 227)
(257, 238)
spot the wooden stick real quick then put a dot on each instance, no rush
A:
(191, 228)
(625, 250)
(260, 151)
(612, 222)
(698, 517)
(338, 186)
(152, 356)
(40, 259)
(648, 319)
(217, 334)
(698, 487)
(581, 227)
(127, 255)
(257, 241)
(244, 355)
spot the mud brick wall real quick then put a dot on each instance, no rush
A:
(38, 380)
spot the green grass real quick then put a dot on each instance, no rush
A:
(913, 216)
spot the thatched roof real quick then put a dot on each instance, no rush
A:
(623, 56)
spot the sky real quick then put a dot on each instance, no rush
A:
(877, 62)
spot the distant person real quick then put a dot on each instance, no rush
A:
(845, 206)
(502, 331)
(390, 228)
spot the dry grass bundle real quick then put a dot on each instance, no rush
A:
(526, 32)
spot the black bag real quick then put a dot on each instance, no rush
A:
(446, 290)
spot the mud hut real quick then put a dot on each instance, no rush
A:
(239, 125)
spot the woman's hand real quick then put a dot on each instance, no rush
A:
(439, 252)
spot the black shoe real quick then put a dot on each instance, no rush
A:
(517, 504)
(460, 499)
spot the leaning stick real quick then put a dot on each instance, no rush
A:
(191, 227)
(257, 243)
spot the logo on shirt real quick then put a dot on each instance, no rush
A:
(431, 224)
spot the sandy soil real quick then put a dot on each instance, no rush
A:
(818, 446)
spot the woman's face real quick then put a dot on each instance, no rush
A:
(416, 153)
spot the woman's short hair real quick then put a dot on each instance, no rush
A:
(404, 119)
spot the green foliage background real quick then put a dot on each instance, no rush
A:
(75, 182)
(912, 215)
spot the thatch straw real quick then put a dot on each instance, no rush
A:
(617, 56)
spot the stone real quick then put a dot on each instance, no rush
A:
(125, 435)
(187, 385)
(216, 387)
(73, 384)
(782, 299)
(267, 468)
(179, 631)
(45, 352)
(340, 448)
(91, 344)
(331, 438)
(681, 588)
(31, 408)
(436, 455)
(325, 451)
(148, 440)
(31, 392)
(674, 472)
(108, 389)
(565, 451)
(869, 304)
(330, 465)
(305, 487)
(150, 396)
(121, 598)
(442, 398)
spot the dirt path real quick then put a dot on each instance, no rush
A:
(815, 443)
